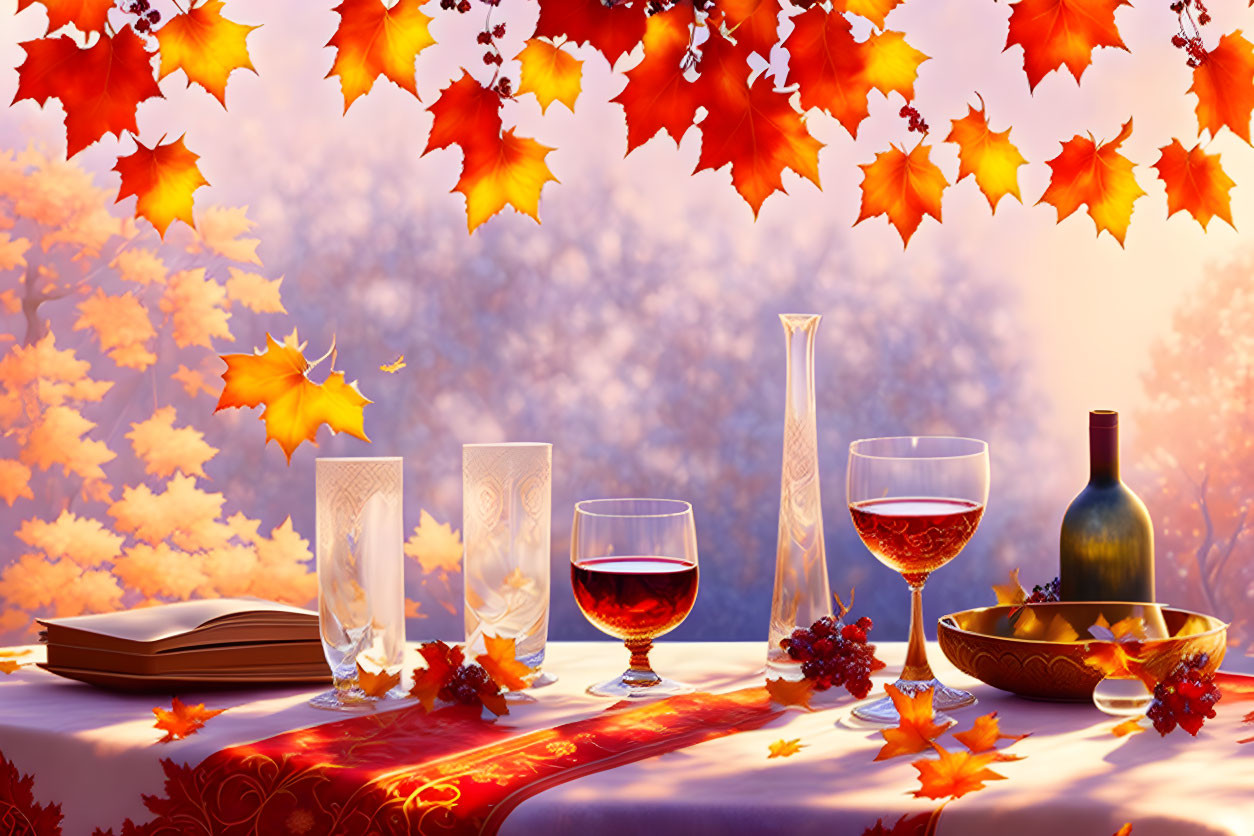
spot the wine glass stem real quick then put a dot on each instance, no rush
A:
(640, 672)
(916, 667)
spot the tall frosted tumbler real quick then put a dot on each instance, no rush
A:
(507, 498)
(361, 577)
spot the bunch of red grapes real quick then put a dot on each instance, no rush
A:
(1185, 698)
(465, 685)
(834, 653)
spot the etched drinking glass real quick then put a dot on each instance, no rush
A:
(361, 579)
(916, 501)
(507, 501)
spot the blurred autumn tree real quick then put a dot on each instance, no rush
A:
(1198, 432)
(109, 366)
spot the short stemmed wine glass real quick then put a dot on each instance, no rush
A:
(916, 501)
(633, 567)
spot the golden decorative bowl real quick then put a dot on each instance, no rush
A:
(1041, 651)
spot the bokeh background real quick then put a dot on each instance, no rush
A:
(636, 329)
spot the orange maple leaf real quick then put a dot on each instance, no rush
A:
(14, 481)
(991, 159)
(255, 292)
(1195, 182)
(828, 66)
(413, 609)
(754, 128)
(1057, 32)
(657, 95)
(1224, 85)
(954, 774)
(139, 266)
(376, 683)
(442, 661)
(790, 691)
(916, 727)
(100, 86)
(219, 228)
(612, 29)
(193, 381)
(165, 449)
(205, 46)
(753, 23)
(8, 666)
(195, 303)
(465, 114)
(163, 178)
(892, 65)
(86, 15)
(903, 187)
(1132, 725)
(873, 10)
(1097, 175)
(295, 405)
(984, 734)
(372, 40)
(501, 664)
(549, 72)
(784, 748)
(182, 719)
(507, 170)
(121, 326)
(1126, 830)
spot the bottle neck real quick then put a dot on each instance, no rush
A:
(1103, 454)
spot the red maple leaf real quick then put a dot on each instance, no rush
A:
(658, 96)
(466, 114)
(1054, 33)
(753, 23)
(611, 30)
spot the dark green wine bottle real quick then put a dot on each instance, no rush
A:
(1107, 545)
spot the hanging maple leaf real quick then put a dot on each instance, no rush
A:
(873, 10)
(162, 178)
(436, 546)
(828, 66)
(182, 720)
(892, 64)
(1054, 33)
(1097, 175)
(502, 665)
(465, 113)
(954, 774)
(657, 95)
(549, 72)
(790, 691)
(205, 46)
(753, 23)
(295, 406)
(754, 128)
(86, 15)
(510, 170)
(612, 30)
(376, 683)
(100, 86)
(984, 734)
(993, 161)
(903, 187)
(372, 40)
(1224, 85)
(1012, 592)
(784, 748)
(916, 727)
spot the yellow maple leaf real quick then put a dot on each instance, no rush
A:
(205, 46)
(14, 481)
(436, 546)
(892, 65)
(218, 230)
(165, 449)
(988, 156)
(162, 178)
(139, 266)
(295, 406)
(873, 10)
(506, 170)
(255, 292)
(121, 326)
(376, 683)
(1132, 725)
(195, 306)
(503, 666)
(395, 366)
(790, 691)
(12, 251)
(549, 72)
(784, 748)
(80, 539)
(373, 39)
(916, 726)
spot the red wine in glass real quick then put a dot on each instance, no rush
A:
(915, 536)
(635, 597)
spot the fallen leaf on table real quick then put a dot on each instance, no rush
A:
(442, 660)
(984, 734)
(182, 719)
(790, 691)
(502, 665)
(1011, 592)
(395, 366)
(916, 728)
(378, 683)
(9, 666)
(1130, 726)
(954, 774)
(784, 748)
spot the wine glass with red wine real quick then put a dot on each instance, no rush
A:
(633, 566)
(916, 501)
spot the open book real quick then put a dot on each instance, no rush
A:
(225, 642)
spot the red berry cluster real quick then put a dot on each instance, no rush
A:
(834, 653)
(1044, 594)
(147, 16)
(466, 685)
(1191, 44)
(462, 6)
(916, 121)
(1185, 698)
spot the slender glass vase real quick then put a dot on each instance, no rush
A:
(802, 595)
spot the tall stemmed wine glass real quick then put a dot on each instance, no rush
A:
(916, 501)
(633, 566)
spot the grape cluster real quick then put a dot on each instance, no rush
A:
(917, 122)
(462, 6)
(834, 653)
(1191, 44)
(1043, 594)
(465, 684)
(148, 16)
(1185, 698)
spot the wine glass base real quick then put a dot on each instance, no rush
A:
(354, 700)
(622, 689)
(944, 698)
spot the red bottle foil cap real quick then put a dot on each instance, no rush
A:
(1102, 418)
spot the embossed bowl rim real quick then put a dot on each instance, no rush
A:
(1219, 625)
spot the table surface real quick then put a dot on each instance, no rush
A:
(94, 752)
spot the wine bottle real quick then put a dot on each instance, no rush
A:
(1107, 544)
